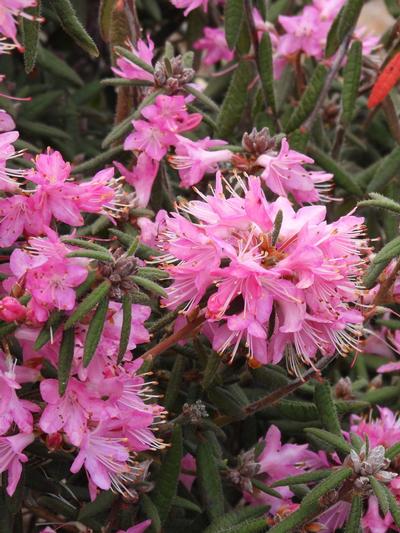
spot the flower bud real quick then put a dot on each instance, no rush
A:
(11, 309)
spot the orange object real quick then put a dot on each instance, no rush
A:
(385, 82)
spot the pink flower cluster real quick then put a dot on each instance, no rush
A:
(284, 287)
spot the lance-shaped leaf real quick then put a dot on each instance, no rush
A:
(331, 482)
(210, 371)
(174, 383)
(296, 519)
(351, 80)
(65, 359)
(183, 503)
(343, 24)
(150, 510)
(88, 245)
(334, 441)
(93, 254)
(91, 300)
(128, 54)
(326, 408)
(202, 97)
(393, 505)
(266, 70)
(143, 251)
(30, 36)
(308, 477)
(167, 481)
(234, 15)
(382, 202)
(393, 451)
(389, 168)
(353, 523)
(373, 272)
(342, 178)
(235, 99)
(56, 66)
(73, 27)
(47, 332)
(390, 323)
(149, 285)
(152, 273)
(382, 395)
(98, 161)
(381, 494)
(210, 480)
(309, 99)
(332, 41)
(265, 488)
(126, 326)
(95, 330)
(388, 252)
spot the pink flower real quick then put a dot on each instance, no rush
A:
(16, 218)
(215, 46)
(306, 279)
(192, 160)
(149, 138)
(7, 152)
(188, 463)
(11, 310)
(373, 522)
(285, 174)
(384, 430)
(141, 177)
(6, 121)
(189, 5)
(139, 528)
(126, 69)
(11, 457)
(9, 11)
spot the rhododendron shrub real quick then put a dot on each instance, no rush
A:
(199, 266)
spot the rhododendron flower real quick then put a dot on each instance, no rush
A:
(9, 11)
(11, 309)
(6, 121)
(127, 69)
(305, 278)
(285, 174)
(384, 430)
(189, 5)
(214, 45)
(11, 457)
(139, 528)
(141, 177)
(7, 152)
(16, 218)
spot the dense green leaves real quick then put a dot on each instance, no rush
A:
(210, 480)
(88, 303)
(326, 408)
(336, 442)
(65, 358)
(95, 330)
(353, 522)
(234, 15)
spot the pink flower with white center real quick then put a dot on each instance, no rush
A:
(48, 275)
(9, 11)
(11, 457)
(285, 174)
(11, 309)
(139, 528)
(189, 5)
(95, 195)
(106, 458)
(306, 279)
(12, 408)
(193, 160)
(214, 44)
(126, 69)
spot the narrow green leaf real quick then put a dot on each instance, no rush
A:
(248, 526)
(393, 506)
(98, 161)
(294, 520)
(388, 252)
(264, 488)
(30, 36)
(381, 495)
(150, 510)
(332, 41)
(331, 482)
(105, 18)
(342, 178)
(47, 332)
(65, 359)
(354, 520)
(210, 371)
(382, 395)
(118, 82)
(308, 100)
(390, 323)
(183, 503)
(202, 97)
(326, 408)
(102, 503)
(227, 400)
(89, 245)
(373, 272)
(175, 382)
(91, 300)
(234, 15)
(351, 80)
(152, 273)
(73, 27)
(40, 104)
(93, 254)
(382, 202)
(277, 226)
(210, 480)
(149, 285)
(235, 100)
(349, 17)
(167, 481)
(266, 70)
(226, 522)
(308, 477)
(56, 66)
(143, 251)
(389, 168)
(336, 442)
(95, 330)
(126, 326)
(393, 451)
(124, 52)
(43, 130)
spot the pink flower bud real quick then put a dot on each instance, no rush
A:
(11, 309)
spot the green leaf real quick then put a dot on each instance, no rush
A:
(388, 252)
(380, 201)
(210, 371)
(308, 477)
(102, 503)
(393, 451)
(126, 326)
(294, 520)
(326, 408)
(40, 104)
(266, 70)
(354, 520)
(332, 41)
(389, 168)
(210, 480)
(351, 80)
(336, 442)
(235, 99)
(373, 272)
(95, 330)
(382, 395)
(247, 526)
(203, 98)
(335, 479)
(98, 161)
(127, 54)
(152, 273)
(183, 503)
(56, 66)
(308, 100)
(227, 400)
(150, 510)
(264, 488)
(105, 18)
(342, 179)
(149, 285)
(348, 18)
(174, 383)
(43, 130)
(143, 251)
(234, 15)
(47, 332)
(73, 27)
(391, 323)
(65, 359)
(381, 495)
(89, 245)
(393, 7)
(93, 254)
(91, 300)
(30, 36)
(167, 481)
(226, 522)
(393, 506)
